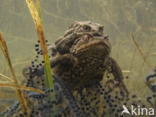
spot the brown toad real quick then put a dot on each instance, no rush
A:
(82, 56)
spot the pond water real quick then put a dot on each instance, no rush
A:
(120, 19)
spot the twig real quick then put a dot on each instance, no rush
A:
(141, 52)
(6, 77)
(21, 87)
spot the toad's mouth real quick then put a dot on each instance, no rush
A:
(96, 46)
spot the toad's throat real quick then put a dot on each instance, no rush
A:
(95, 45)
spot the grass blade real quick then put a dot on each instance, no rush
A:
(36, 15)
(38, 8)
(19, 92)
(40, 32)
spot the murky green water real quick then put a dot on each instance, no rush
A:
(119, 17)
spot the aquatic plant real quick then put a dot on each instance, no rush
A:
(108, 9)
(19, 92)
(104, 98)
(36, 15)
(19, 89)
(85, 102)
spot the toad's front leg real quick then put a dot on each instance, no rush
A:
(64, 61)
(113, 67)
(62, 66)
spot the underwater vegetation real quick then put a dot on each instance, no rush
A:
(103, 96)
(19, 89)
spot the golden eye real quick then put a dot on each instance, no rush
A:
(86, 38)
(86, 28)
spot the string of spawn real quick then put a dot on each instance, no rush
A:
(110, 102)
(71, 101)
(89, 101)
(66, 92)
(152, 87)
(148, 78)
(40, 72)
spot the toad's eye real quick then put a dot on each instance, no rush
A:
(86, 28)
(86, 38)
(101, 29)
